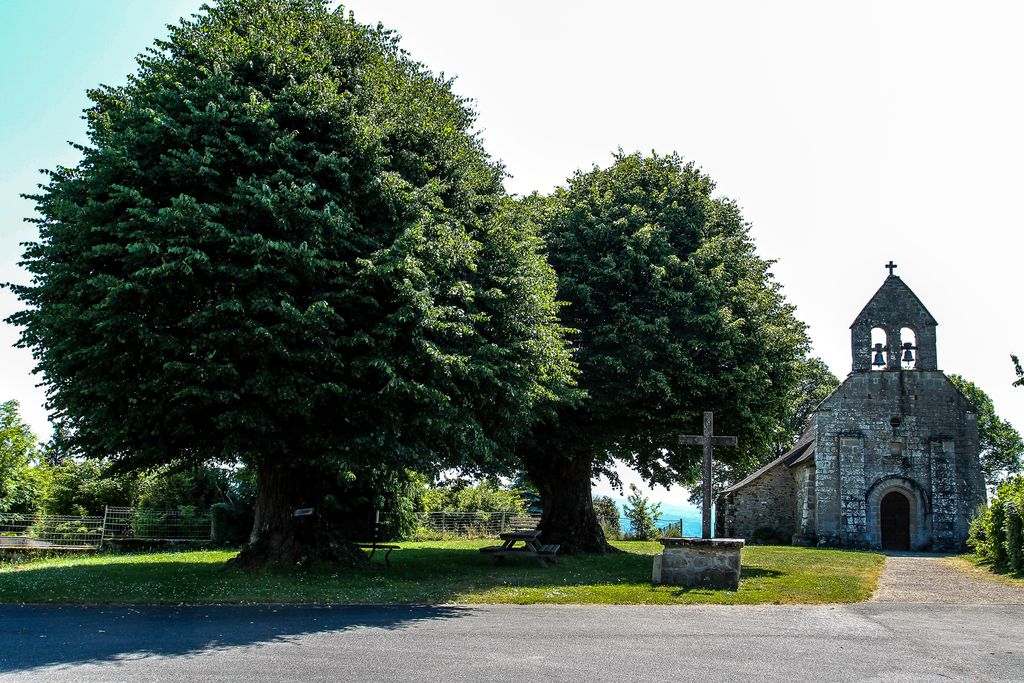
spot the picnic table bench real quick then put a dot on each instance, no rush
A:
(374, 547)
(531, 547)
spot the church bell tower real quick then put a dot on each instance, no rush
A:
(894, 331)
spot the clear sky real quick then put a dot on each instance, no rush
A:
(850, 133)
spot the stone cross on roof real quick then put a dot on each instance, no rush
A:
(891, 266)
(709, 441)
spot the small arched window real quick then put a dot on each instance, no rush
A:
(908, 348)
(879, 349)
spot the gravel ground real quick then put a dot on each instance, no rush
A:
(926, 578)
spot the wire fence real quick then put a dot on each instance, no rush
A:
(441, 525)
(473, 525)
(49, 531)
(69, 532)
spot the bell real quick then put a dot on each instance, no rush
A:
(908, 354)
(879, 359)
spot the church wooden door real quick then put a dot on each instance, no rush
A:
(895, 521)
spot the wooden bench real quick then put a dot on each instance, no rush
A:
(544, 554)
(379, 546)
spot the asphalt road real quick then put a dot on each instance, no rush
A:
(867, 641)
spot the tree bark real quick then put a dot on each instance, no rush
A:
(568, 518)
(279, 537)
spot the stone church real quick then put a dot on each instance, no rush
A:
(889, 460)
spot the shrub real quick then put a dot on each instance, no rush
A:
(997, 532)
(768, 535)
(1014, 536)
(642, 516)
(608, 516)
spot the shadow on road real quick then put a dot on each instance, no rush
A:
(38, 636)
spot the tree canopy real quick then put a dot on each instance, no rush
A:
(1000, 445)
(284, 244)
(674, 313)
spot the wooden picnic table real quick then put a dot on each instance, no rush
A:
(531, 547)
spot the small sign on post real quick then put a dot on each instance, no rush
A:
(303, 512)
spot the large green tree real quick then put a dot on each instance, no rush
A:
(284, 245)
(1000, 444)
(674, 314)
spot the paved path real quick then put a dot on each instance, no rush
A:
(864, 642)
(928, 578)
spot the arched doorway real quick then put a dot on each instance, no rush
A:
(894, 518)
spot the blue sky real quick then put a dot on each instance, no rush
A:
(849, 134)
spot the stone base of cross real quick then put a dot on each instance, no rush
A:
(708, 440)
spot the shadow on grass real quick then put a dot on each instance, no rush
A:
(758, 573)
(38, 636)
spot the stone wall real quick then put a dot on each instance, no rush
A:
(699, 563)
(905, 430)
(768, 502)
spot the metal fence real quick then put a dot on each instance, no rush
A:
(444, 525)
(50, 531)
(66, 532)
(181, 524)
(471, 524)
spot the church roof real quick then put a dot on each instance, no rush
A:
(894, 294)
(802, 451)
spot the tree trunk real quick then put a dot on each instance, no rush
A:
(568, 518)
(281, 538)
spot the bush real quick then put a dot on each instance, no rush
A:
(767, 535)
(608, 517)
(230, 523)
(86, 488)
(1014, 537)
(642, 516)
(997, 533)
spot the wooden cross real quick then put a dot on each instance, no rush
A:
(891, 266)
(708, 440)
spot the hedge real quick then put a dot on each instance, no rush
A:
(997, 533)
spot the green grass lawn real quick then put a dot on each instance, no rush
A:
(438, 572)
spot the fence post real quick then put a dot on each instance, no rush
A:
(103, 528)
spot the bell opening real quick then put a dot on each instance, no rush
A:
(879, 349)
(908, 344)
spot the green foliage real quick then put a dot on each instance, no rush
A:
(168, 488)
(86, 487)
(284, 245)
(230, 523)
(767, 535)
(814, 382)
(1001, 446)
(642, 516)
(608, 516)
(1015, 534)
(484, 496)
(674, 314)
(20, 480)
(1019, 382)
(997, 532)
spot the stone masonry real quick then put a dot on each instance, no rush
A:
(699, 563)
(889, 460)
